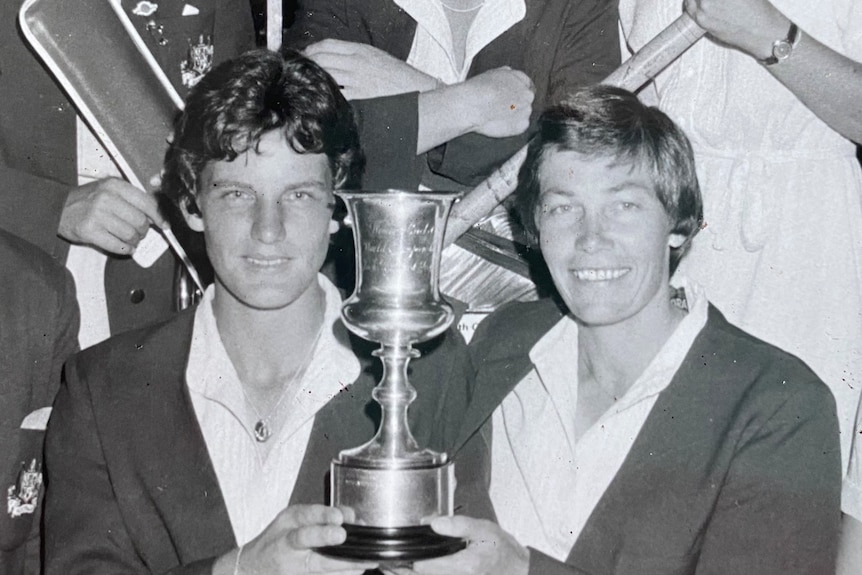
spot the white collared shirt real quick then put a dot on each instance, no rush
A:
(432, 51)
(544, 485)
(256, 489)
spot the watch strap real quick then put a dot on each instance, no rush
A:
(785, 45)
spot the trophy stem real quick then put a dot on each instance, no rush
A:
(395, 394)
(393, 446)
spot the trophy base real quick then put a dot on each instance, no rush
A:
(393, 545)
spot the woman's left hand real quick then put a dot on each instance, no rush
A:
(749, 25)
(490, 550)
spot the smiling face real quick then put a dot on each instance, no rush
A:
(266, 217)
(605, 237)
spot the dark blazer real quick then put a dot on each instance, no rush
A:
(559, 44)
(131, 487)
(38, 331)
(736, 470)
(38, 159)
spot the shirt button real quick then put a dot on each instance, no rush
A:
(137, 295)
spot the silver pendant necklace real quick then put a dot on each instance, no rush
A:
(262, 430)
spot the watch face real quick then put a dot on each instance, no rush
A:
(782, 49)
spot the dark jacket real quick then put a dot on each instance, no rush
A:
(38, 331)
(736, 469)
(131, 486)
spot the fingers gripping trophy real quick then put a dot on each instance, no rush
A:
(391, 483)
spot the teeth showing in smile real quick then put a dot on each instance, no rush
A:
(600, 275)
(268, 262)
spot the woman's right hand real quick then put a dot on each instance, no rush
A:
(489, 551)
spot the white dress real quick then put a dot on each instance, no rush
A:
(781, 254)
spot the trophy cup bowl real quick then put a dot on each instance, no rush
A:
(391, 483)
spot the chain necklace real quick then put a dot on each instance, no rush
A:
(262, 430)
(462, 10)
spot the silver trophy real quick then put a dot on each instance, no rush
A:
(391, 483)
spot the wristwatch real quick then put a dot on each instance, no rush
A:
(782, 49)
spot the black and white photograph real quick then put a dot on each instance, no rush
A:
(431, 287)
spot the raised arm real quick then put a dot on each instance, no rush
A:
(584, 49)
(827, 82)
(467, 129)
(496, 104)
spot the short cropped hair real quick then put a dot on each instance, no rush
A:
(604, 121)
(233, 106)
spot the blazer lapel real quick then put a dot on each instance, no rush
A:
(172, 456)
(679, 449)
(342, 423)
(501, 363)
(493, 383)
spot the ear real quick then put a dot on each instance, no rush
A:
(333, 226)
(194, 221)
(676, 240)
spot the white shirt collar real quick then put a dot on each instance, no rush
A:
(432, 50)
(562, 342)
(255, 488)
(211, 373)
(535, 457)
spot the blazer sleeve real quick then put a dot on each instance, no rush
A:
(69, 321)
(388, 126)
(316, 20)
(587, 51)
(33, 209)
(84, 530)
(233, 29)
(779, 508)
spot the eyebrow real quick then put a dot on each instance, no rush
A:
(304, 185)
(620, 187)
(553, 192)
(229, 184)
(629, 185)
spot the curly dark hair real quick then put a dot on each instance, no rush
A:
(604, 121)
(238, 102)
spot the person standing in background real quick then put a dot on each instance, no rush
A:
(64, 193)
(770, 100)
(447, 91)
(38, 331)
